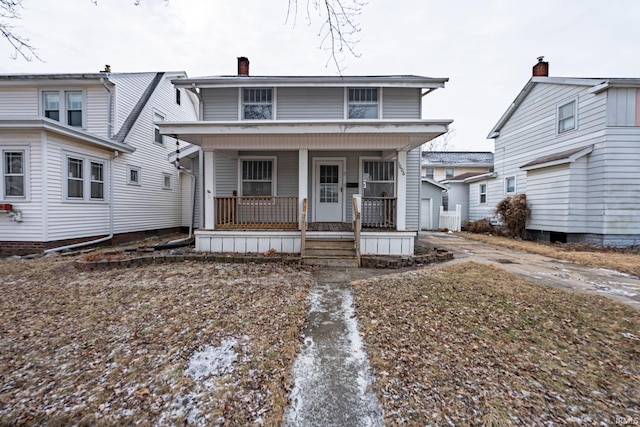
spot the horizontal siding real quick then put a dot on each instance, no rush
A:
(18, 103)
(220, 104)
(129, 88)
(413, 190)
(97, 111)
(401, 103)
(310, 103)
(478, 211)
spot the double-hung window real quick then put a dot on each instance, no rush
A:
(157, 137)
(257, 177)
(567, 117)
(13, 171)
(448, 172)
(64, 106)
(257, 104)
(379, 178)
(363, 103)
(429, 172)
(510, 184)
(85, 178)
(483, 193)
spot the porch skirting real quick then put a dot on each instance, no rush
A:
(397, 243)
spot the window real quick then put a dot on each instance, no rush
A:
(257, 177)
(257, 104)
(483, 193)
(75, 178)
(97, 181)
(429, 173)
(178, 95)
(133, 175)
(448, 172)
(70, 112)
(363, 103)
(379, 178)
(157, 137)
(78, 186)
(567, 117)
(510, 184)
(166, 181)
(13, 171)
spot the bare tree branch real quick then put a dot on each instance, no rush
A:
(21, 46)
(339, 29)
(441, 143)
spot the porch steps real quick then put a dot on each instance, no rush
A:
(333, 252)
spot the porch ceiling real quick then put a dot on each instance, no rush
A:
(376, 135)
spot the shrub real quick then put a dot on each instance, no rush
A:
(514, 212)
(480, 226)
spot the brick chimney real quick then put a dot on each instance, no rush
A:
(541, 69)
(243, 66)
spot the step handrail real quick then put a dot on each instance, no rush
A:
(303, 227)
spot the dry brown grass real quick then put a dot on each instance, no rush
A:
(473, 345)
(111, 348)
(615, 259)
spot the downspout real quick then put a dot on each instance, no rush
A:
(102, 239)
(109, 113)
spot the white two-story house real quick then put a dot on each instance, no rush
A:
(82, 160)
(290, 160)
(572, 145)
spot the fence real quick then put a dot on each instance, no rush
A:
(451, 220)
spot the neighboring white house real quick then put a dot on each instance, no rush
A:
(275, 144)
(431, 193)
(82, 159)
(572, 145)
(441, 165)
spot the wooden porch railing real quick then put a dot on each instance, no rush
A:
(240, 212)
(356, 227)
(303, 227)
(379, 212)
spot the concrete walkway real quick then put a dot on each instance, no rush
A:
(331, 374)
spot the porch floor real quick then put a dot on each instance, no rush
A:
(330, 226)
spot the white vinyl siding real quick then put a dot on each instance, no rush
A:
(19, 102)
(400, 103)
(622, 105)
(310, 104)
(413, 190)
(220, 104)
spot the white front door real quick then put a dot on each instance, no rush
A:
(328, 191)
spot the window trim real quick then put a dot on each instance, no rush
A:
(25, 175)
(63, 107)
(274, 173)
(482, 193)
(378, 159)
(429, 175)
(574, 101)
(347, 101)
(166, 175)
(86, 180)
(506, 184)
(138, 169)
(178, 96)
(453, 172)
(241, 103)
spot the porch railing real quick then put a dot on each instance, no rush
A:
(379, 212)
(240, 212)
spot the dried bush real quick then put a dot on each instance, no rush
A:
(514, 213)
(480, 226)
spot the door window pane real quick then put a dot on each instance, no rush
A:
(329, 181)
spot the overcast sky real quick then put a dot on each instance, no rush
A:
(485, 47)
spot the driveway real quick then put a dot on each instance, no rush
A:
(548, 271)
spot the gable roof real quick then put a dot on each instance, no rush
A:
(598, 84)
(457, 158)
(137, 109)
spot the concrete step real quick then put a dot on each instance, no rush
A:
(331, 261)
(330, 252)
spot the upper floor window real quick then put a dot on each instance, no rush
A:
(13, 171)
(429, 173)
(157, 137)
(257, 177)
(379, 178)
(64, 106)
(257, 104)
(133, 175)
(567, 117)
(363, 103)
(166, 181)
(510, 184)
(178, 95)
(78, 186)
(483, 193)
(448, 172)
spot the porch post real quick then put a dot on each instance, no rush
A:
(303, 181)
(209, 189)
(401, 176)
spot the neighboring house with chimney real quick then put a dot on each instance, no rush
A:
(82, 159)
(572, 145)
(325, 166)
